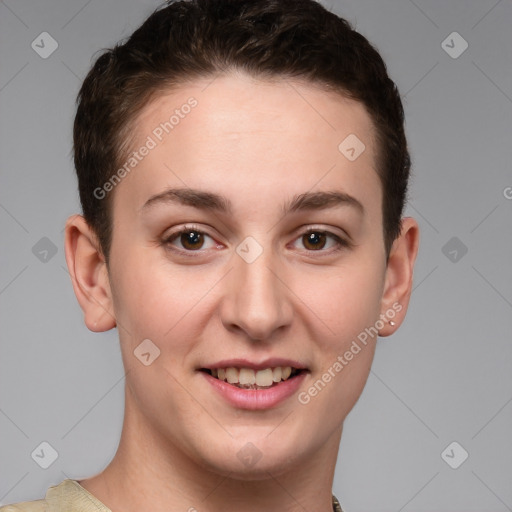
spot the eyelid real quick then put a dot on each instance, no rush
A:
(341, 241)
(169, 238)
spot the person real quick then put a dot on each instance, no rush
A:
(243, 169)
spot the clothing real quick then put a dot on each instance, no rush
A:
(70, 496)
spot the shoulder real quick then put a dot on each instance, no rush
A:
(68, 495)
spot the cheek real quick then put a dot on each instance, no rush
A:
(155, 300)
(347, 305)
(345, 300)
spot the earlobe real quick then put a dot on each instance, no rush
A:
(399, 276)
(89, 274)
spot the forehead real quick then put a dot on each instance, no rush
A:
(238, 134)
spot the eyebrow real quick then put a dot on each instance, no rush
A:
(209, 201)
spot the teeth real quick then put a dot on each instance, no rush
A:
(232, 375)
(286, 372)
(264, 377)
(277, 373)
(248, 377)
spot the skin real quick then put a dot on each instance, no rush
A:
(258, 144)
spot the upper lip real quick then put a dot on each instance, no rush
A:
(262, 365)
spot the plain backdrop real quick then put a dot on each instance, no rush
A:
(445, 377)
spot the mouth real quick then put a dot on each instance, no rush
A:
(248, 378)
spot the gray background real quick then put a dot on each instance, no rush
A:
(445, 376)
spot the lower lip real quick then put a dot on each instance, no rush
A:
(256, 399)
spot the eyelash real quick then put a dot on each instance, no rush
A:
(341, 243)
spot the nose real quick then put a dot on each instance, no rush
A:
(256, 300)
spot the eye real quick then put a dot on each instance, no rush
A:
(319, 240)
(190, 239)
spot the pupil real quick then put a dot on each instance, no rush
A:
(190, 239)
(315, 239)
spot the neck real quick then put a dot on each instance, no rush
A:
(149, 472)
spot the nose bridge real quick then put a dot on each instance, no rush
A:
(257, 301)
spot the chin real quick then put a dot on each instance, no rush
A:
(257, 470)
(247, 461)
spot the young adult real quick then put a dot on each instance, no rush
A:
(242, 169)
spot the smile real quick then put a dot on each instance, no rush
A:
(248, 378)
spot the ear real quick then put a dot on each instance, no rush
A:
(89, 274)
(399, 276)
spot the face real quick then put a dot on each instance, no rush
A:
(247, 243)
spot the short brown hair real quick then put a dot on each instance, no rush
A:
(188, 39)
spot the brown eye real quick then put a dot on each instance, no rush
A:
(314, 240)
(189, 240)
(323, 242)
(192, 240)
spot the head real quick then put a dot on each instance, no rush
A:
(274, 40)
(262, 222)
